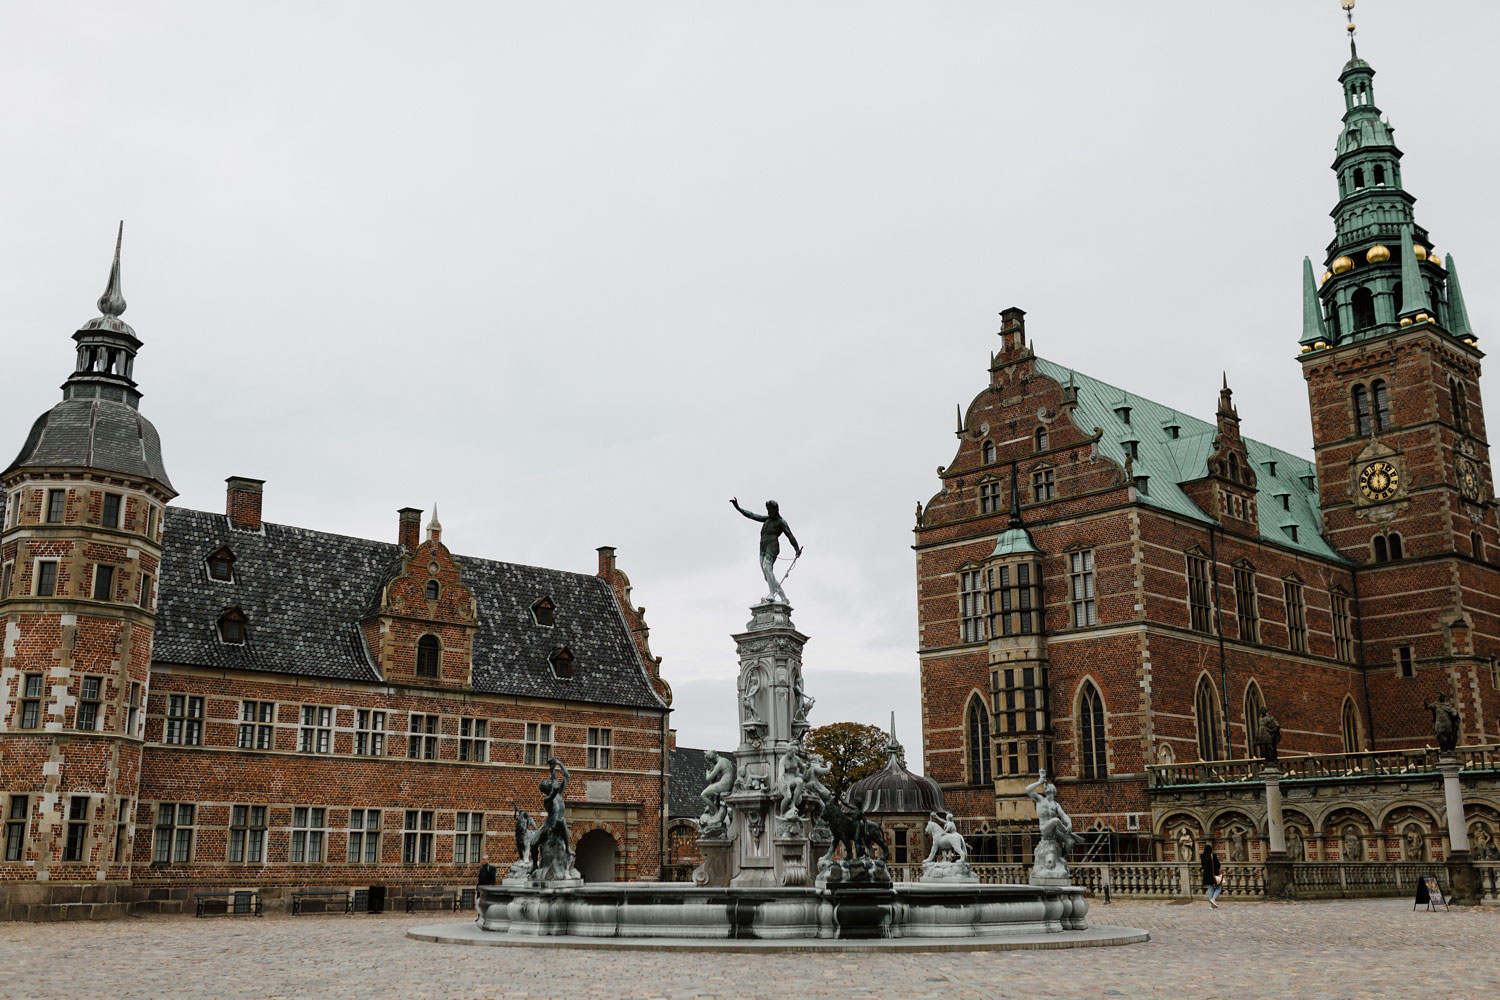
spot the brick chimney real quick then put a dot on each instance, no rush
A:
(1012, 329)
(606, 561)
(242, 502)
(410, 529)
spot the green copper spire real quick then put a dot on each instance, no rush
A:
(1458, 313)
(1413, 288)
(1313, 329)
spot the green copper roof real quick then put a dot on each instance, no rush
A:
(1169, 461)
(1313, 329)
(1013, 542)
(1458, 313)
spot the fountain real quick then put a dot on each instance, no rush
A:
(785, 863)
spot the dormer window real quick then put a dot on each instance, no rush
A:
(1132, 448)
(1234, 467)
(1123, 412)
(1286, 500)
(542, 612)
(1142, 485)
(1042, 439)
(562, 663)
(989, 453)
(432, 590)
(221, 565)
(1270, 468)
(232, 627)
(1311, 482)
(1291, 531)
(1174, 431)
(429, 653)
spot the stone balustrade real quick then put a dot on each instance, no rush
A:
(1406, 762)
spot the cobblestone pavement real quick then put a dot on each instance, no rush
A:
(1368, 948)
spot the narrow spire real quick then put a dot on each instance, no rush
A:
(1313, 329)
(1458, 313)
(958, 413)
(1413, 288)
(1349, 14)
(112, 303)
(1225, 373)
(432, 524)
(893, 748)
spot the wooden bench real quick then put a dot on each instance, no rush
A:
(234, 903)
(439, 899)
(325, 896)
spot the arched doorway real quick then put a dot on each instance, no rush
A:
(595, 856)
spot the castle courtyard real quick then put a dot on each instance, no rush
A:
(1364, 948)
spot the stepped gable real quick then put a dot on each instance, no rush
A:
(304, 593)
(1171, 461)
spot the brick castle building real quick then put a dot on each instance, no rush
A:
(193, 700)
(1105, 583)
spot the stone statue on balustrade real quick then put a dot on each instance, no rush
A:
(1057, 837)
(1445, 723)
(1267, 738)
(772, 527)
(948, 860)
(714, 823)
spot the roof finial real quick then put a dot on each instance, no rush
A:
(1349, 14)
(892, 747)
(112, 303)
(433, 524)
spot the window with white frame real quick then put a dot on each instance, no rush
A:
(17, 820)
(416, 837)
(369, 733)
(473, 740)
(1296, 616)
(104, 582)
(538, 744)
(421, 743)
(57, 502)
(308, 834)
(88, 704)
(184, 725)
(247, 834)
(133, 710)
(31, 701)
(174, 833)
(257, 725)
(601, 747)
(46, 578)
(315, 735)
(468, 838)
(364, 836)
(971, 587)
(109, 517)
(1081, 588)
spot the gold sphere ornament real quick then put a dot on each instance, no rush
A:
(1472, 342)
(1305, 348)
(1379, 254)
(1351, 26)
(1320, 345)
(1406, 321)
(1348, 4)
(1326, 276)
(1423, 318)
(1419, 250)
(1341, 265)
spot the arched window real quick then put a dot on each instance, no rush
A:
(1234, 467)
(1350, 727)
(1379, 175)
(980, 758)
(1092, 760)
(232, 627)
(1042, 441)
(1393, 545)
(432, 590)
(1361, 411)
(1460, 404)
(1363, 304)
(1208, 721)
(429, 652)
(1476, 545)
(1255, 707)
(1359, 178)
(1381, 405)
(1378, 545)
(989, 453)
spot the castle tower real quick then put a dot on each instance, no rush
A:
(1406, 490)
(79, 556)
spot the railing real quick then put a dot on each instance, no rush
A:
(1489, 882)
(1312, 880)
(1374, 229)
(1323, 767)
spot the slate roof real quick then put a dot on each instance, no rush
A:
(1169, 462)
(688, 768)
(95, 434)
(304, 593)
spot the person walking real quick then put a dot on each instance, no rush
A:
(1213, 876)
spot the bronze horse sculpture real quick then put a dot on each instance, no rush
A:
(858, 835)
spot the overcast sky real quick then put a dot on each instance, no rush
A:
(581, 272)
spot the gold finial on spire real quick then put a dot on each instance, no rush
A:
(1348, 6)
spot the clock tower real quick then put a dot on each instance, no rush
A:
(1404, 477)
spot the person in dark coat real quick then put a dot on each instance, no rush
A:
(1213, 877)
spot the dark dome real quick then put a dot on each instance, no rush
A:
(95, 434)
(894, 789)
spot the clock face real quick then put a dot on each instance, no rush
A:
(1379, 481)
(1468, 479)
